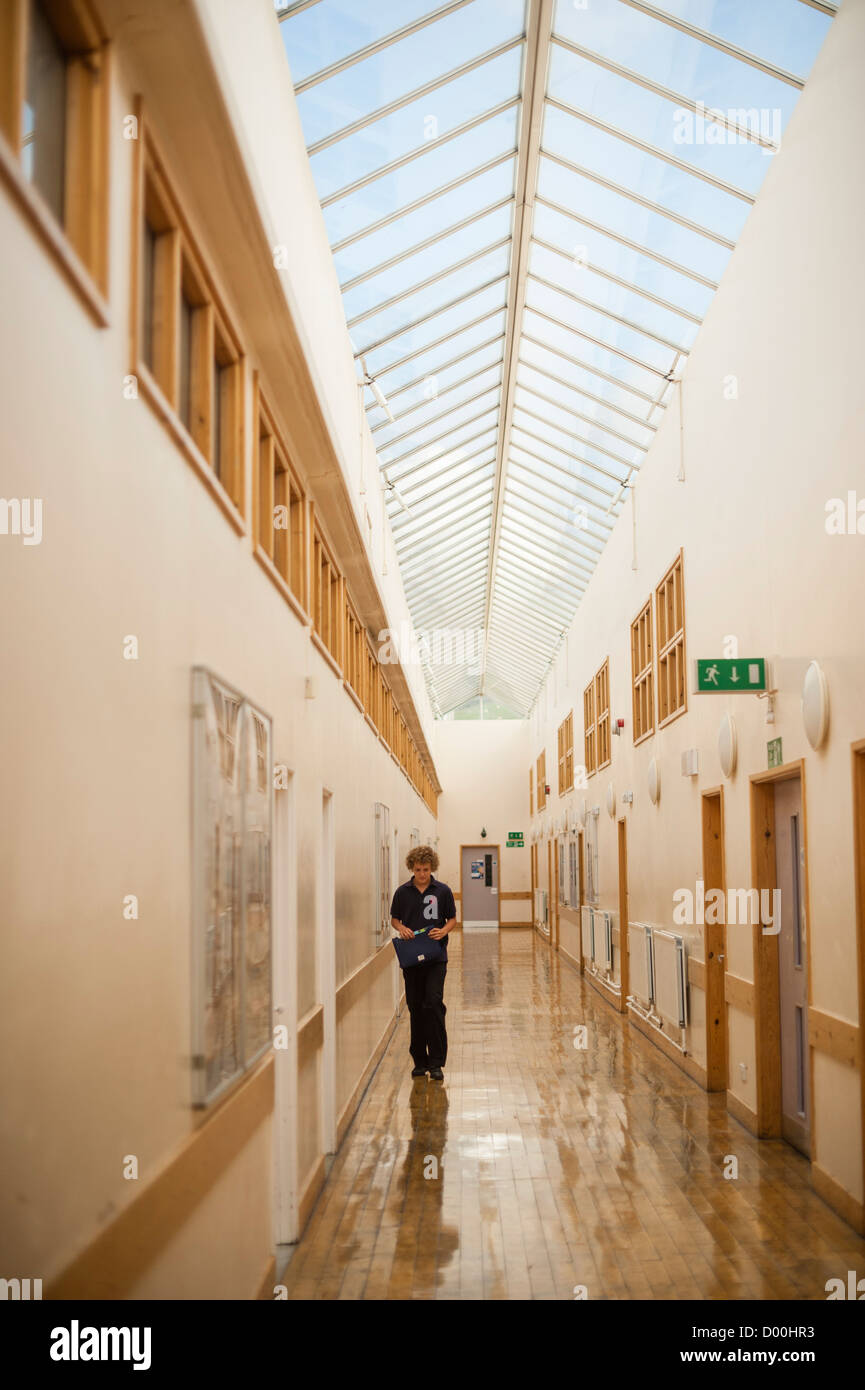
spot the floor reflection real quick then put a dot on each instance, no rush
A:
(537, 1166)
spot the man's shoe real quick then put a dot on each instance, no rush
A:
(436, 1074)
(419, 1071)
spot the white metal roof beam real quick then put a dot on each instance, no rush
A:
(539, 26)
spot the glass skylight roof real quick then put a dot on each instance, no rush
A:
(530, 204)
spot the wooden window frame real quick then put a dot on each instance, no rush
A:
(589, 739)
(671, 679)
(79, 241)
(286, 562)
(214, 444)
(566, 754)
(531, 791)
(643, 673)
(326, 604)
(604, 751)
(541, 767)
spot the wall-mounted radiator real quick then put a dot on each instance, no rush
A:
(641, 963)
(671, 977)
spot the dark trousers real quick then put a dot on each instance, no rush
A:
(424, 992)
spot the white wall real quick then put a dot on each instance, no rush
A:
(483, 765)
(759, 565)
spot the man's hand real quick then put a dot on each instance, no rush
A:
(437, 933)
(406, 932)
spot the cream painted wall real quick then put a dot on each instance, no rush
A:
(758, 565)
(95, 751)
(483, 765)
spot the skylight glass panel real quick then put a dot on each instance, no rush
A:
(424, 123)
(568, 383)
(625, 218)
(422, 398)
(593, 367)
(426, 364)
(441, 426)
(443, 212)
(623, 104)
(674, 60)
(465, 458)
(627, 263)
(785, 32)
(643, 174)
(397, 70)
(414, 269)
(333, 29)
(674, 331)
(536, 434)
(439, 165)
(587, 321)
(439, 406)
(476, 433)
(431, 299)
(443, 325)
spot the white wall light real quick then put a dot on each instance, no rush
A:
(727, 745)
(815, 705)
(654, 782)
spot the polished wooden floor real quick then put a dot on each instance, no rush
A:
(535, 1168)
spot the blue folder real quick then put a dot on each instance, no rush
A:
(420, 950)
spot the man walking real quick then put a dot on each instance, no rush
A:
(425, 904)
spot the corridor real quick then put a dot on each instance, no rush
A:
(556, 1167)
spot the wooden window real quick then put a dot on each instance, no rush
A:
(54, 117)
(602, 715)
(183, 342)
(353, 669)
(566, 754)
(642, 673)
(589, 728)
(542, 780)
(280, 504)
(670, 615)
(326, 606)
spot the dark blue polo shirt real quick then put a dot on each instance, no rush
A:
(421, 911)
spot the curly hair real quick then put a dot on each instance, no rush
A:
(422, 854)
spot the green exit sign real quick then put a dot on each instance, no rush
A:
(731, 674)
(515, 834)
(776, 757)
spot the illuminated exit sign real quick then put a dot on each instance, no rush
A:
(731, 674)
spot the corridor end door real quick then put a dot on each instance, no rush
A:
(479, 885)
(792, 966)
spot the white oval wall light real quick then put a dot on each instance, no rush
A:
(815, 705)
(728, 745)
(611, 800)
(654, 782)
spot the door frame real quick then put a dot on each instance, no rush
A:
(580, 852)
(624, 951)
(472, 845)
(857, 754)
(715, 952)
(767, 1016)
